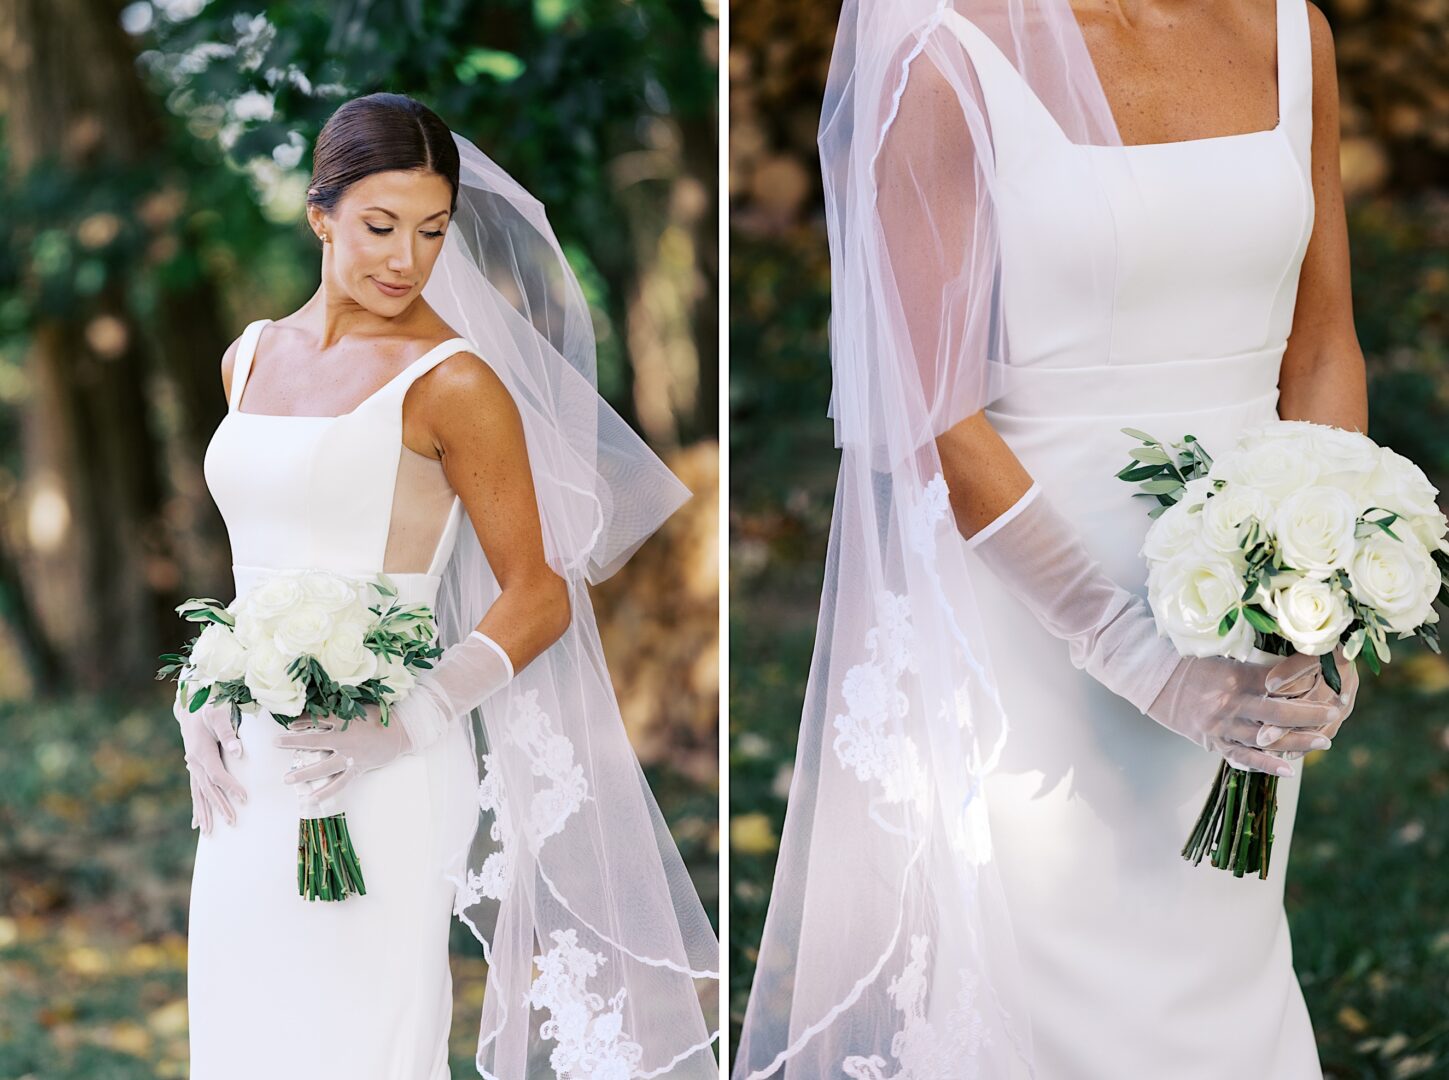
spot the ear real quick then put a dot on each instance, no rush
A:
(317, 221)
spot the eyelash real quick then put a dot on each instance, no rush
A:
(384, 232)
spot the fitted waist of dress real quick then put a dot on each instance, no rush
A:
(412, 588)
(1168, 387)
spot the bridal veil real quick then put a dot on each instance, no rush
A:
(600, 956)
(887, 947)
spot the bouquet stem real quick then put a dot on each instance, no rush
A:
(1235, 828)
(327, 863)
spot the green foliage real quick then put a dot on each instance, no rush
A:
(558, 91)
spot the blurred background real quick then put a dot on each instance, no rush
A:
(1368, 887)
(154, 158)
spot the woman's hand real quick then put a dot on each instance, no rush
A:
(1301, 678)
(213, 788)
(364, 744)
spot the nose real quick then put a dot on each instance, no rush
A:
(402, 258)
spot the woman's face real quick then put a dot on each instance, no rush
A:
(387, 230)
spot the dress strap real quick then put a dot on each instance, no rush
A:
(1295, 78)
(246, 350)
(1020, 123)
(397, 387)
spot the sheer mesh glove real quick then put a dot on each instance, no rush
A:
(1228, 707)
(1305, 682)
(466, 675)
(1220, 704)
(203, 733)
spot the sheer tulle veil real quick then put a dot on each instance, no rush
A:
(887, 949)
(601, 960)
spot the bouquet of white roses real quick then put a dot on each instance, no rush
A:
(314, 643)
(1303, 538)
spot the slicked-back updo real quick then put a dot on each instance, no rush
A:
(379, 133)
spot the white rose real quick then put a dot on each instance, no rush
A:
(271, 686)
(355, 621)
(1189, 596)
(1295, 433)
(304, 629)
(1401, 486)
(1397, 578)
(217, 655)
(1228, 510)
(1277, 461)
(1196, 492)
(279, 592)
(1428, 529)
(1312, 614)
(1346, 459)
(330, 592)
(1172, 532)
(249, 631)
(1314, 528)
(347, 660)
(397, 675)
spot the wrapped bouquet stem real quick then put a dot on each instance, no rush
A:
(1302, 539)
(308, 644)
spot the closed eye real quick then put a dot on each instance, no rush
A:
(383, 232)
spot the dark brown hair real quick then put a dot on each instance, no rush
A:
(378, 133)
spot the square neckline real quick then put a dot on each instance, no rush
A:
(1277, 97)
(1279, 89)
(246, 376)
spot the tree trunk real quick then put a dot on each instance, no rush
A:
(94, 551)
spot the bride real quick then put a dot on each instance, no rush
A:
(1050, 221)
(431, 413)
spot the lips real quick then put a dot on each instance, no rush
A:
(391, 290)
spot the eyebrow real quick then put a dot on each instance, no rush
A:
(390, 214)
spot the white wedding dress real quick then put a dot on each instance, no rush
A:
(1139, 966)
(279, 986)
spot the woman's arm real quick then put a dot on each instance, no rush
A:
(1322, 379)
(928, 203)
(475, 425)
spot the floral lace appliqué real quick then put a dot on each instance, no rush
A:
(875, 701)
(493, 879)
(927, 514)
(921, 1049)
(550, 756)
(591, 1040)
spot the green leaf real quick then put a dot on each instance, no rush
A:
(1134, 473)
(1261, 621)
(1228, 620)
(1151, 455)
(1370, 654)
(1330, 672)
(1161, 487)
(1140, 435)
